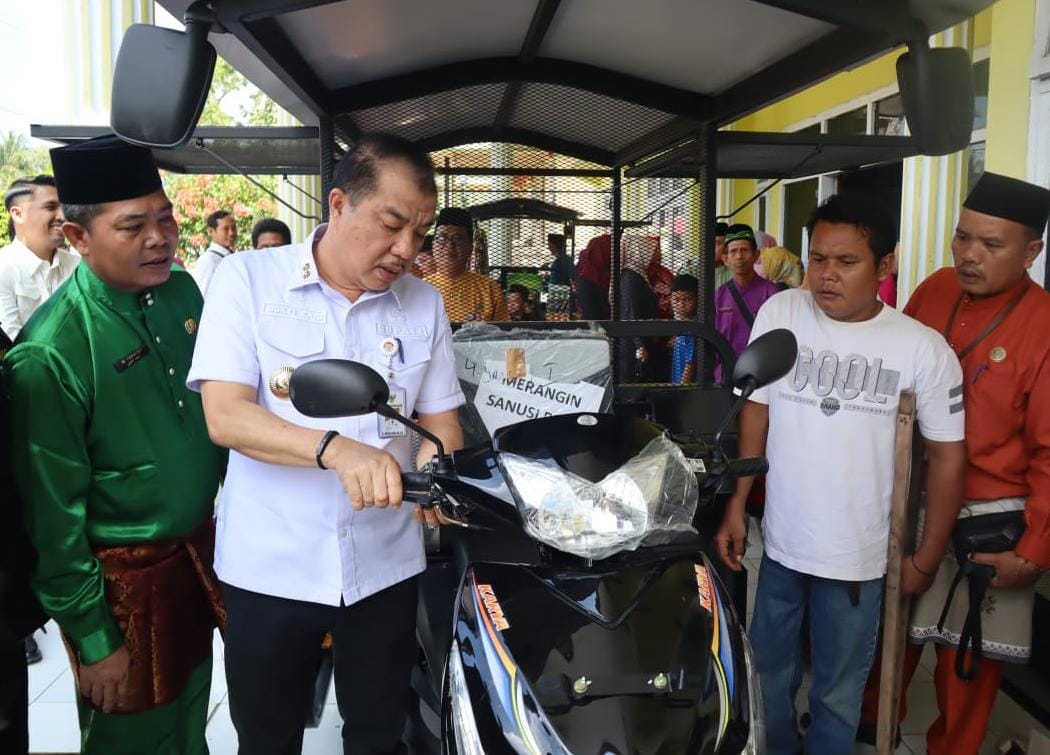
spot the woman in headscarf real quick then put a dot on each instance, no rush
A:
(660, 279)
(592, 278)
(781, 266)
(638, 357)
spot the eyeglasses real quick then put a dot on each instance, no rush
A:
(444, 238)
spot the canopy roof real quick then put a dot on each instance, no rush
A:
(739, 154)
(254, 150)
(609, 81)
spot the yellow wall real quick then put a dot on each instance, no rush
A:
(1012, 39)
(811, 102)
(982, 29)
(838, 90)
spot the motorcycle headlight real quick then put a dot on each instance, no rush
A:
(653, 492)
(756, 741)
(468, 741)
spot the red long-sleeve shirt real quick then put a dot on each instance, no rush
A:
(1006, 390)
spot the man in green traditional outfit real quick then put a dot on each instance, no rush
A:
(113, 461)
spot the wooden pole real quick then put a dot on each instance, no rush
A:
(903, 508)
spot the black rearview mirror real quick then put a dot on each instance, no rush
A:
(938, 95)
(337, 388)
(160, 84)
(766, 359)
(341, 388)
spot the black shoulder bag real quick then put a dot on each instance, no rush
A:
(741, 304)
(984, 533)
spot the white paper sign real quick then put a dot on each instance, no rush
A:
(566, 360)
(501, 401)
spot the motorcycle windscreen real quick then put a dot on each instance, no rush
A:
(595, 486)
(589, 445)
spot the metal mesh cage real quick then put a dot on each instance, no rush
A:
(529, 203)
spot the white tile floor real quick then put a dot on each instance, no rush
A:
(53, 718)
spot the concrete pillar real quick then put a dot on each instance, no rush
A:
(94, 29)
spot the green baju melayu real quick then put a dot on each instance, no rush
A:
(110, 449)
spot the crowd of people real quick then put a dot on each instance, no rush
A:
(132, 389)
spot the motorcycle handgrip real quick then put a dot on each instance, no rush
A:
(415, 484)
(748, 466)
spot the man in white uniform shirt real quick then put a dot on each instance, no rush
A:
(36, 262)
(828, 430)
(311, 536)
(222, 230)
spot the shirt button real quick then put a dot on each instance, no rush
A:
(157, 339)
(171, 370)
(180, 403)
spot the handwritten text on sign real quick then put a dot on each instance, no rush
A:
(502, 401)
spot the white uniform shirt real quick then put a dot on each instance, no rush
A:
(832, 424)
(26, 282)
(207, 263)
(290, 531)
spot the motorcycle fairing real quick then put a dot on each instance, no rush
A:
(526, 637)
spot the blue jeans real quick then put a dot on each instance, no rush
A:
(842, 637)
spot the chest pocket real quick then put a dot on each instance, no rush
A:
(294, 337)
(416, 355)
(28, 291)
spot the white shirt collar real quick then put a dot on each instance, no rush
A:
(28, 263)
(305, 269)
(219, 249)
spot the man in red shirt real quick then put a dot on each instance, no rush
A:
(996, 320)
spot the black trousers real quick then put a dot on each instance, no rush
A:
(14, 693)
(273, 647)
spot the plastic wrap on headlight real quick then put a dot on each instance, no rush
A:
(465, 729)
(756, 741)
(647, 499)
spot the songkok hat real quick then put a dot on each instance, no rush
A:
(738, 232)
(456, 216)
(105, 169)
(1010, 199)
(685, 282)
(721, 228)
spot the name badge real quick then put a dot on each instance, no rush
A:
(391, 428)
(390, 330)
(127, 361)
(293, 313)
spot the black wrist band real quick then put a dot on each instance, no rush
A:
(323, 445)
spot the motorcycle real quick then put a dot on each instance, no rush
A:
(570, 608)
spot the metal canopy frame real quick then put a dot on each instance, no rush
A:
(680, 133)
(199, 155)
(865, 30)
(801, 155)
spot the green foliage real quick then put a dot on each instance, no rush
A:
(17, 159)
(197, 197)
(232, 101)
(235, 101)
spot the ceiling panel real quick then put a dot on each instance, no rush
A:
(361, 40)
(704, 46)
